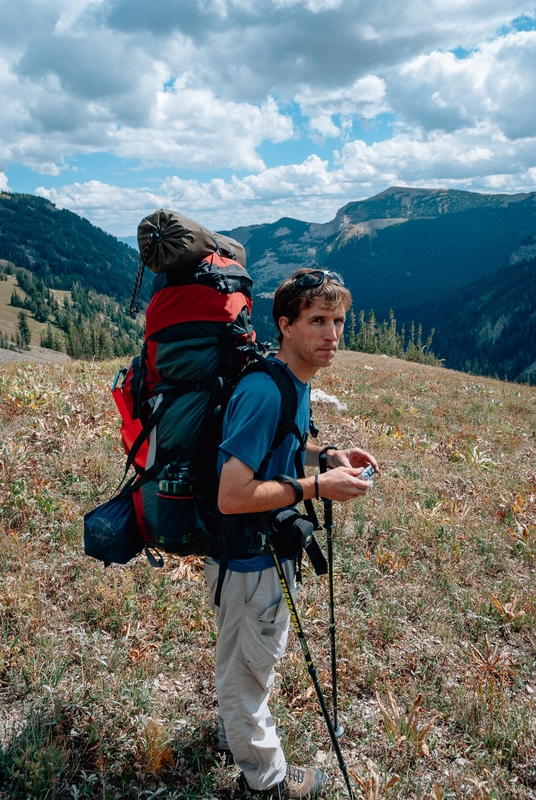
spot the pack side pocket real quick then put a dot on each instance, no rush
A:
(180, 529)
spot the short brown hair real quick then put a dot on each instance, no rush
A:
(288, 302)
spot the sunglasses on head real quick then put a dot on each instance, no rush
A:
(317, 277)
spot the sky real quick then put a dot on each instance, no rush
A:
(237, 112)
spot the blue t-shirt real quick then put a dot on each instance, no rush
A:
(249, 428)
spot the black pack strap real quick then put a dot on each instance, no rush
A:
(289, 400)
(134, 306)
(298, 565)
(156, 561)
(224, 563)
(300, 472)
(313, 430)
(143, 435)
(149, 248)
(317, 558)
(220, 250)
(137, 481)
(216, 245)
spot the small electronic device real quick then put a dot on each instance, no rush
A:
(367, 474)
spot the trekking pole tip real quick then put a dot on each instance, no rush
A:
(339, 731)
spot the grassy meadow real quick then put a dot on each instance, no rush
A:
(106, 676)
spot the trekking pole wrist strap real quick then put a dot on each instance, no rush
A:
(323, 457)
(296, 485)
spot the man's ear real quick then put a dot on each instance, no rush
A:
(285, 327)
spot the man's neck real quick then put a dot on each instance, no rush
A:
(300, 369)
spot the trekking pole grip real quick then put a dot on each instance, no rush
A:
(323, 457)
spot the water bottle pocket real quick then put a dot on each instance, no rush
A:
(180, 528)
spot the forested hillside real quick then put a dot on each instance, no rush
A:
(400, 248)
(47, 249)
(425, 254)
(62, 249)
(490, 327)
(423, 259)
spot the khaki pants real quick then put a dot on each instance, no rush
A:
(252, 621)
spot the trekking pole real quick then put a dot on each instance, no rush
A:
(310, 666)
(328, 525)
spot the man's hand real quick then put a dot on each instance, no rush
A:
(241, 493)
(342, 483)
(351, 458)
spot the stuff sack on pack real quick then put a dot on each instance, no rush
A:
(111, 531)
(169, 241)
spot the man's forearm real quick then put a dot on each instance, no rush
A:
(257, 496)
(241, 493)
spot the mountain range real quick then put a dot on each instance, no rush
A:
(460, 262)
(399, 248)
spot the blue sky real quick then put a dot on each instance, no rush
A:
(242, 111)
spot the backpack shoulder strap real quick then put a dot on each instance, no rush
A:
(289, 402)
(287, 421)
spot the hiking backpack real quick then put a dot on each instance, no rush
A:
(198, 342)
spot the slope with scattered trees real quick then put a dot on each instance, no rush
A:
(61, 248)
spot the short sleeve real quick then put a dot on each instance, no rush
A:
(251, 420)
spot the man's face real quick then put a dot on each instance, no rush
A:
(314, 337)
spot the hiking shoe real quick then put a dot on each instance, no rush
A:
(300, 783)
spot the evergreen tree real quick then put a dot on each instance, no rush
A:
(374, 337)
(24, 335)
(16, 299)
(52, 339)
(351, 338)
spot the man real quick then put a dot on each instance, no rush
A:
(252, 617)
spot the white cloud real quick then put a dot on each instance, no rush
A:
(3, 182)
(201, 85)
(311, 190)
(218, 203)
(494, 84)
(187, 127)
(191, 127)
(365, 98)
(315, 6)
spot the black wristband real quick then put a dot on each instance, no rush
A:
(296, 485)
(317, 492)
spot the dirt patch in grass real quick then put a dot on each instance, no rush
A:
(39, 355)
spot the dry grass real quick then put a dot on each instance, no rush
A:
(106, 684)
